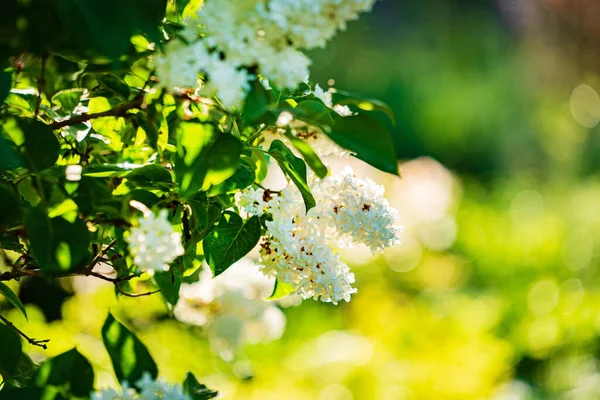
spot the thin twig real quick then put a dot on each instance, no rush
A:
(101, 254)
(41, 83)
(118, 287)
(185, 220)
(34, 342)
(265, 189)
(118, 111)
(112, 280)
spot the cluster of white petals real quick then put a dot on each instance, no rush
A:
(153, 243)
(265, 35)
(299, 247)
(327, 98)
(232, 307)
(149, 390)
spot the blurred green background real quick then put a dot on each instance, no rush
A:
(495, 292)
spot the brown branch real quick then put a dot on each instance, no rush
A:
(267, 190)
(101, 254)
(112, 280)
(118, 287)
(185, 220)
(41, 83)
(34, 342)
(118, 111)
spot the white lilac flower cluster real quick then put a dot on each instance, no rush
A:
(299, 247)
(153, 243)
(232, 307)
(149, 390)
(262, 34)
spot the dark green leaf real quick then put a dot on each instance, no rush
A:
(205, 157)
(257, 104)
(368, 138)
(69, 370)
(311, 158)
(345, 98)
(314, 113)
(29, 393)
(196, 390)
(9, 156)
(11, 242)
(151, 176)
(10, 351)
(230, 241)
(85, 22)
(57, 245)
(242, 178)
(12, 298)
(205, 215)
(145, 197)
(113, 86)
(67, 100)
(10, 206)
(41, 147)
(294, 168)
(169, 284)
(129, 356)
(5, 84)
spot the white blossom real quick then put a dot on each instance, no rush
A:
(127, 393)
(159, 389)
(150, 389)
(177, 66)
(153, 243)
(232, 307)
(299, 247)
(358, 211)
(237, 35)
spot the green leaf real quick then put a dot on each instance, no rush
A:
(222, 160)
(113, 86)
(30, 393)
(10, 351)
(11, 242)
(294, 168)
(10, 206)
(311, 158)
(345, 98)
(169, 284)
(57, 245)
(205, 214)
(230, 241)
(150, 122)
(368, 138)
(129, 356)
(12, 298)
(196, 390)
(258, 103)
(41, 147)
(243, 177)
(281, 290)
(313, 112)
(9, 156)
(67, 100)
(152, 177)
(5, 84)
(69, 370)
(85, 22)
(205, 157)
